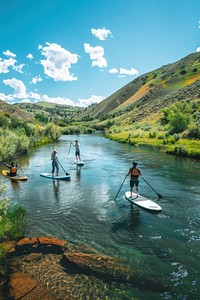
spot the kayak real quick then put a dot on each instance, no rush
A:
(143, 202)
(79, 163)
(60, 177)
(16, 177)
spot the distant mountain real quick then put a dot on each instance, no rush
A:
(151, 92)
(51, 112)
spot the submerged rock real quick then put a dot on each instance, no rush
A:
(49, 268)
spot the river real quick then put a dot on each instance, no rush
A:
(83, 209)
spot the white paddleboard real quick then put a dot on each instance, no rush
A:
(79, 163)
(143, 202)
(60, 177)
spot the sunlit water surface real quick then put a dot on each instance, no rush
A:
(83, 209)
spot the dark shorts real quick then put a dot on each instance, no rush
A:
(77, 152)
(134, 183)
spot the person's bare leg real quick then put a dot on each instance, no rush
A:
(131, 192)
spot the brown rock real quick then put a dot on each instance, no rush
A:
(33, 257)
(52, 241)
(93, 262)
(24, 286)
(27, 242)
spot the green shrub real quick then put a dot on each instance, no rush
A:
(152, 134)
(11, 217)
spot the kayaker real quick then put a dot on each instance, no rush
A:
(55, 165)
(134, 173)
(13, 169)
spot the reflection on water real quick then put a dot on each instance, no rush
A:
(56, 186)
(84, 210)
(78, 172)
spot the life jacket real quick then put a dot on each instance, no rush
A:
(135, 172)
(13, 170)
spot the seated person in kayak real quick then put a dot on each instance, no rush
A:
(13, 169)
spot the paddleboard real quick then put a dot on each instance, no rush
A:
(143, 202)
(79, 163)
(14, 178)
(60, 177)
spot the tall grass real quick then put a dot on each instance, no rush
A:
(12, 219)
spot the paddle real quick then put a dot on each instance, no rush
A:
(152, 188)
(20, 167)
(69, 148)
(63, 168)
(120, 188)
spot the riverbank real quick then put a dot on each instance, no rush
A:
(170, 145)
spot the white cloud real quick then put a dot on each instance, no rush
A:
(57, 100)
(18, 86)
(19, 68)
(198, 49)
(113, 71)
(29, 56)
(122, 72)
(25, 101)
(36, 79)
(20, 93)
(101, 33)
(58, 62)
(4, 97)
(35, 96)
(96, 55)
(5, 64)
(9, 53)
(130, 72)
(93, 99)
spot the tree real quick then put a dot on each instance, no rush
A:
(177, 116)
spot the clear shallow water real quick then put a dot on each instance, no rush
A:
(83, 210)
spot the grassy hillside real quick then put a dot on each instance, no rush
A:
(15, 112)
(152, 91)
(160, 108)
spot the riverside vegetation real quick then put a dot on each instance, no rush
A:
(12, 221)
(159, 109)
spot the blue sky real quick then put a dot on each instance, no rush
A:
(79, 52)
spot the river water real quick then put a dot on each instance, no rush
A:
(83, 209)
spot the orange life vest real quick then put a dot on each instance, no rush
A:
(13, 170)
(135, 173)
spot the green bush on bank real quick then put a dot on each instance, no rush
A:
(12, 219)
(22, 139)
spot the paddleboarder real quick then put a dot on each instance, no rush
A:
(55, 165)
(77, 151)
(134, 173)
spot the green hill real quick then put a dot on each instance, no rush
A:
(15, 112)
(151, 92)
(51, 112)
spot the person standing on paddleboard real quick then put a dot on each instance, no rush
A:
(134, 173)
(77, 151)
(55, 165)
